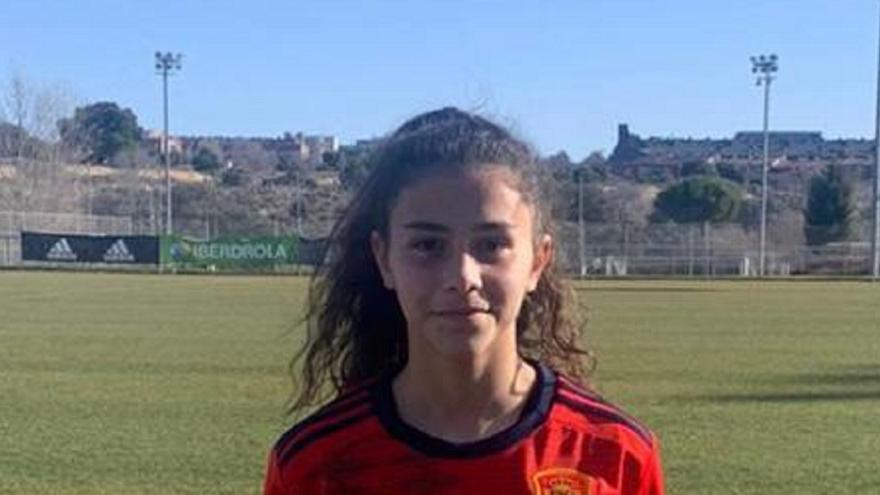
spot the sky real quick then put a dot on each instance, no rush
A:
(562, 73)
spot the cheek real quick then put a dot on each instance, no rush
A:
(516, 282)
(409, 272)
(517, 271)
(413, 288)
(507, 289)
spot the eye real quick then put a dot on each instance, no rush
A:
(427, 246)
(492, 246)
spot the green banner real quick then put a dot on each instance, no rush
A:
(227, 252)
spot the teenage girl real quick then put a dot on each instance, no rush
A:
(443, 329)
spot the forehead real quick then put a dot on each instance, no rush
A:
(463, 199)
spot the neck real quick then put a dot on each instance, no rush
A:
(463, 400)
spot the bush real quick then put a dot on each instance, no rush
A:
(830, 210)
(701, 199)
(205, 161)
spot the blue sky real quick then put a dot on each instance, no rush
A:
(563, 73)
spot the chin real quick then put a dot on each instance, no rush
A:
(461, 342)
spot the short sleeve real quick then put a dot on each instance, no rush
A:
(652, 474)
(272, 484)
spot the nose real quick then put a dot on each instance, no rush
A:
(462, 273)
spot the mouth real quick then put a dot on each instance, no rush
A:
(460, 311)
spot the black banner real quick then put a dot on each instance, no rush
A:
(310, 251)
(75, 248)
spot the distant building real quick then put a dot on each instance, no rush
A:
(306, 149)
(175, 144)
(791, 148)
(264, 152)
(362, 146)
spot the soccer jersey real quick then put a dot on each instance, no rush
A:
(567, 441)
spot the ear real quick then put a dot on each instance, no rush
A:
(380, 255)
(542, 258)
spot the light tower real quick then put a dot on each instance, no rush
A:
(166, 64)
(765, 67)
(582, 259)
(875, 237)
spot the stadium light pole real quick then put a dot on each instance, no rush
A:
(167, 63)
(89, 190)
(581, 234)
(299, 205)
(765, 66)
(875, 241)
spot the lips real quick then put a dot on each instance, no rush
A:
(464, 311)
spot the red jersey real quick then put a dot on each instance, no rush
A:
(567, 441)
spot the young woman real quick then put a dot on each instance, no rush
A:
(443, 328)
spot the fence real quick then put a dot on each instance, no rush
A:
(12, 223)
(702, 250)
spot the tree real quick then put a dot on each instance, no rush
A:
(250, 155)
(287, 161)
(697, 167)
(205, 160)
(13, 140)
(731, 172)
(354, 167)
(234, 177)
(596, 204)
(17, 102)
(700, 199)
(830, 209)
(590, 173)
(101, 130)
(559, 160)
(595, 158)
(28, 115)
(330, 158)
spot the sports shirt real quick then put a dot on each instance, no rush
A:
(567, 441)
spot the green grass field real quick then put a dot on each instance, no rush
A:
(138, 384)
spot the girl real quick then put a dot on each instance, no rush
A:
(441, 324)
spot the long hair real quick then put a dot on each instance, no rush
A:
(355, 329)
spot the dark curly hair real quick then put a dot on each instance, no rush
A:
(355, 329)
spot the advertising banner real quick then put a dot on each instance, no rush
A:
(311, 251)
(77, 248)
(228, 252)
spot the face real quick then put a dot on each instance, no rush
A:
(461, 255)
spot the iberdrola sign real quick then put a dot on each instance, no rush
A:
(237, 251)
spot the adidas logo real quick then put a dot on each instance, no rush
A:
(118, 252)
(61, 251)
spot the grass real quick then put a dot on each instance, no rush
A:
(139, 383)
(144, 384)
(752, 387)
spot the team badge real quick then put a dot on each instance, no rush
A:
(561, 481)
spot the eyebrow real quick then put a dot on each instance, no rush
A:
(436, 227)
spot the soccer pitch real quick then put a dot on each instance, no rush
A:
(144, 384)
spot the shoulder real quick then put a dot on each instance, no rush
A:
(585, 406)
(341, 415)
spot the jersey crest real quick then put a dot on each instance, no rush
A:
(562, 481)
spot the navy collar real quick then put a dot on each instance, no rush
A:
(533, 415)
